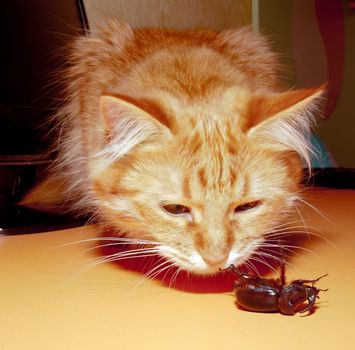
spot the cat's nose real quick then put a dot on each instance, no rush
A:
(215, 260)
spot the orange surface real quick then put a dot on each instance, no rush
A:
(47, 300)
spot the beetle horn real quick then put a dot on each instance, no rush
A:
(311, 301)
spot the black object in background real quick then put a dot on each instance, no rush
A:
(340, 178)
(34, 35)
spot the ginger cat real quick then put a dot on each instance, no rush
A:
(180, 142)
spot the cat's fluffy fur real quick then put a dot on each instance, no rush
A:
(196, 118)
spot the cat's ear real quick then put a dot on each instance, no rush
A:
(283, 121)
(127, 125)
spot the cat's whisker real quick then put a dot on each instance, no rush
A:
(126, 252)
(91, 219)
(251, 267)
(289, 251)
(299, 224)
(318, 235)
(116, 240)
(263, 253)
(162, 269)
(286, 223)
(290, 225)
(174, 276)
(287, 229)
(150, 274)
(294, 231)
(270, 248)
(262, 261)
(96, 262)
(167, 271)
(273, 244)
(279, 259)
(101, 246)
(116, 257)
(282, 233)
(133, 254)
(318, 211)
(264, 248)
(283, 230)
(154, 271)
(302, 219)
(287, 247)
(292, 249)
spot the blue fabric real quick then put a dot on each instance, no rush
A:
(322, 157)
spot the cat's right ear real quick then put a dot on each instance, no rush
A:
(127, 126)
(283, 121)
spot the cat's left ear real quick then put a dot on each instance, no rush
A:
(283, 121)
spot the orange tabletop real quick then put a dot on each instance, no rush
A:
(53, 295)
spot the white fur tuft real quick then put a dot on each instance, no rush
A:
(128, 132)
(291, 129)
(293, 132)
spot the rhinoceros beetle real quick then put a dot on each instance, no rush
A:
(274, 295)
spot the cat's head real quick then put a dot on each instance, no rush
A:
(205, 184)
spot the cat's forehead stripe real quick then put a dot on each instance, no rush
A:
(202, 177)
(186, 187)
(195, 143)
(245, 186)
(233, 175)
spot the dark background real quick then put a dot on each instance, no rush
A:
(35, 35)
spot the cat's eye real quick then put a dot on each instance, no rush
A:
(176, 209)
(247, 206)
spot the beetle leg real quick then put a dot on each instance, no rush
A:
(282, 265)
(232, 268)
(236, 271)
(317, 279)
(301, 281)
(283, 272)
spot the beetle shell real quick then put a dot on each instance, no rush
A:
(257, 294)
